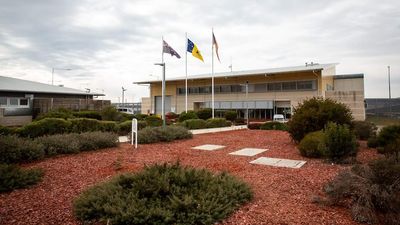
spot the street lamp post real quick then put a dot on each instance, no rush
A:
(123, 96)
(247, 101)
(52, 73)
(390, 93)
(163, 93)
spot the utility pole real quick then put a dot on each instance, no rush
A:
(123, 95)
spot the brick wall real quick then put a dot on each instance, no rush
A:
(45, 105)
(13, 121)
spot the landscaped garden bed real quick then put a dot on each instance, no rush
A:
(281, 195)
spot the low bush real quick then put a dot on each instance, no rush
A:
(108, 126)
(97, 140)
(217, 122)
(313, 115)
(46, 126)
(254, 126)
(126, 127)
(153, 121)
(230, 115)
(14, 149)
(110, 113)
(12, 177)
(163, 194)
(313, 145)
(372, 192)
(140, 116)
(340, 142)
(273, 126)
(388, 134)
(163, 134)
(392, 149)
(364, 129)
(88, 114)
(193, 124)
(372, 142)
(204, 114)
(59, 144)
(126, 117)
(6, 130)
(240, 121)
(56, 113)
(171, 116)
(81, 125)
(188, 116)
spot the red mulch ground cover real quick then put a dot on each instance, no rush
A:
(282, 195)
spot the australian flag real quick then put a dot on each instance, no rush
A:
(168, 49)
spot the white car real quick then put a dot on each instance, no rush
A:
(279, 118)
(125, 110)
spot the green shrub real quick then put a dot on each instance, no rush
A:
(12, 177)
(364, 129)
(14, 149)
(81, 125)
(240, 121)
(126, 127)
(140, 116)
(6, 130)
(204, 114)
(217, 122)
(188, 116)
(372, 142)
(57, 113)
(313, 115)
(108, 126)
(230, 115)
(163, 194)
(392, 149)
(59, 144)
(47, 126)
(87, 114)
(371, 191)
(153, 121)
(388, 134)
(110, 113)
(254, 126)
(340, 142)
(273, 126)
(163, 134)
(126, 117)
(97, 140)
(313, 145)
(194, 124)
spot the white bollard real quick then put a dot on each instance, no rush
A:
(134, 131)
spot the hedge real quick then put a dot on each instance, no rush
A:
(47, 126)
(163, 134)
(273, 126)
(193, 124)
(14, 149)
(217, 122)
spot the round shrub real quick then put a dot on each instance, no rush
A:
(187, 116)
(163, 194)
(217, 122)
(81, 125)
(193, 124)
(14, 149)
(12, 177)
(110, 113)
(313, 115)
(254, 126)
(273, 126)
(153, 121)
(313, 145)
(47, 126)
(388, 135)
(108, 126)
(364, 129)
(340, 142)
(230, 115)
(204, 114)
(372, 142)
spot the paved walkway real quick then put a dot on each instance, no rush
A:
(218, 129)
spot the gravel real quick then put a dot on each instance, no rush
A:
(282, 195)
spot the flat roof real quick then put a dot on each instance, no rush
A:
(292, 69)
(10, 84)
(348, 76)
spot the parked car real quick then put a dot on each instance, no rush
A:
(125, 110)
(279, 118)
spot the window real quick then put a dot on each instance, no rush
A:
(13, 101)
(204, 90)
(3, 101)
(193, 90)
(274, 86)
(289, 86)
(306, 85)
(23, 102)
(226, 88)
(260, 88)
(181, 91)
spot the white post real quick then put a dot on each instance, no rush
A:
(134, 132)
(212, 72)
(163, 83)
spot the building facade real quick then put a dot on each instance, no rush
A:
(269, 91)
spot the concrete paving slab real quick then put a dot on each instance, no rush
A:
(218, 129)
(248, 151)
(123, 139)
(208, 147)
(287, 163)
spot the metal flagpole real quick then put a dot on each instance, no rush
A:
(212, 71)
(163, 83)
(186, 81)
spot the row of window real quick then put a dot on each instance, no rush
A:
(307, 85)
(14, 102)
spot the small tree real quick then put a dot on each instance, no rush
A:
(340, 142)
(111, 113)
(313, 115)
(204, 114)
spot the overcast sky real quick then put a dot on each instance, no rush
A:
(109, 44)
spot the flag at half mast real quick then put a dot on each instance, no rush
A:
(169, 50)
(216, 46)
(192, 48)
